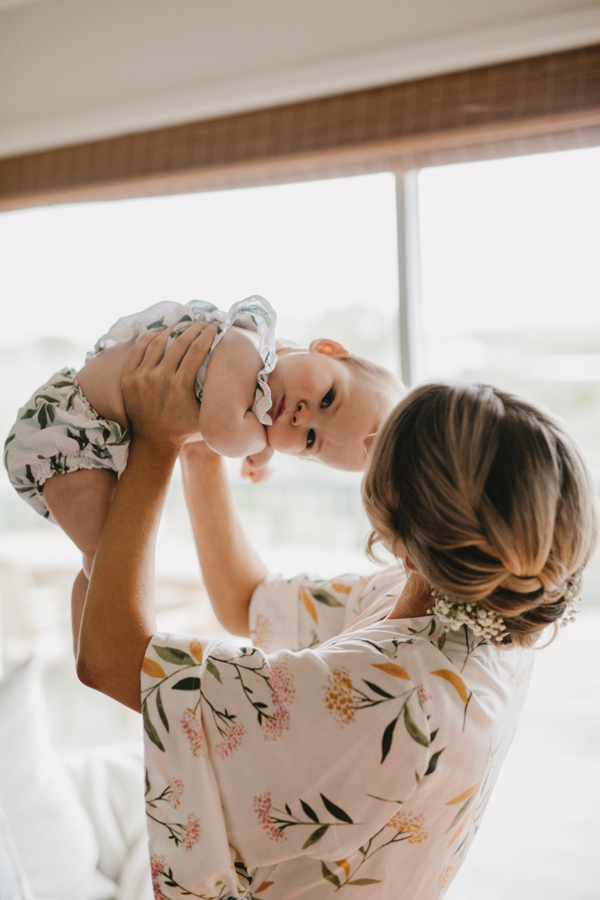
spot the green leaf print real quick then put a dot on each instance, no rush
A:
(386, 741)
(161, 710)
(187, 684)
(336, 811)
(309, 811)
(361, 881)
(434, 761)
(412, 729)
(379, 690)
(150, 729)
(315, 836)
(325, 597)
(329, 875)
(29, 414)
(175, 656)
(213, 670)
(100, 452)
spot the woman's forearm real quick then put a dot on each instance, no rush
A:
(231, 569)
(119, 619)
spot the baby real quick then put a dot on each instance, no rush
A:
(256, 395)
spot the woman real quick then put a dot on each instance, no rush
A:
(364, 757)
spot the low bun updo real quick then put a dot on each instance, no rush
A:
(491, 498)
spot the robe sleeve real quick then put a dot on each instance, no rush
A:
(253, 760)
(303, 612)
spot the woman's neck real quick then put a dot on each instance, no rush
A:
(415, 599)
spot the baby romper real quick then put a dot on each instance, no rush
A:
(58, 431)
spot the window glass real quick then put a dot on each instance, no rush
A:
(511, 296)
(323, 253)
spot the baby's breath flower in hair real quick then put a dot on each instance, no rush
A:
(453, 614)
(572, 598)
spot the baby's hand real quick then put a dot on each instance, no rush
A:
(256, 467)
(256, 475)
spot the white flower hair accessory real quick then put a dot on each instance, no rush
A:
(572, 597)
(454, 613)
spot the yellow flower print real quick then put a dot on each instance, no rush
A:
(263, 634)
(339, 696)
(447, 876)
(405, 823)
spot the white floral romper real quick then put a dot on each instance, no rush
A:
(58, 431)
(359, 762)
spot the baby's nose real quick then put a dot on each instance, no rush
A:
(300, 415)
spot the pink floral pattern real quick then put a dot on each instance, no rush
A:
(424, 695)
(231, 740)
(191, 832)
(263, 806)
(193, 731)
(282, 698)
(174, 792)
(157, 865)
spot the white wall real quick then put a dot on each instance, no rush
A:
(73, 70)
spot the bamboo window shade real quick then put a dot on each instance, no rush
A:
(533, 105)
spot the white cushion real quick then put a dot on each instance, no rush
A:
(12, 878)
(51, 831)
(110, 782)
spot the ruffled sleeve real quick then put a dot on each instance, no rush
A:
(252, 759)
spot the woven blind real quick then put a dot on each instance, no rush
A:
(534, 105)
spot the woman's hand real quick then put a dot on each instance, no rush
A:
(158, 387)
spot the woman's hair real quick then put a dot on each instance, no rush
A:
(491, 498)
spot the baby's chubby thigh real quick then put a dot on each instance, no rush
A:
(79, 502)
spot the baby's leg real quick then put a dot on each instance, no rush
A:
(79, 503)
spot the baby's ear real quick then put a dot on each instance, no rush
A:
(368, 441)
(329, 348)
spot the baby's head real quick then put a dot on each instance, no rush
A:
(328, 404)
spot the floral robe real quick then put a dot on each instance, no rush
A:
(361, 760)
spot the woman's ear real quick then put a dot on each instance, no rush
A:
(329, 348)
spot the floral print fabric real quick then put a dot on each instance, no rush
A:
(57, 431)
(254, 313)
(358, 762)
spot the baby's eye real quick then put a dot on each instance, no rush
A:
(310, 438)
(328, 398)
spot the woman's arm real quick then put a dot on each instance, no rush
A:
(118, 618)
(230, 567)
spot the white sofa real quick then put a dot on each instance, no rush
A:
(72, 827)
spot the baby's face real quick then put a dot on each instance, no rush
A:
(322, 410)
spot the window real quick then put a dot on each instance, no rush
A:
(510, 294)
(323, 253)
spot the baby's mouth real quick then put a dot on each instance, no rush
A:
(277, 411)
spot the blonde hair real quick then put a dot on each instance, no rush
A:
(380, 377)
(491, 498)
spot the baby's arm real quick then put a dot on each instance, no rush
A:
(226, 421)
